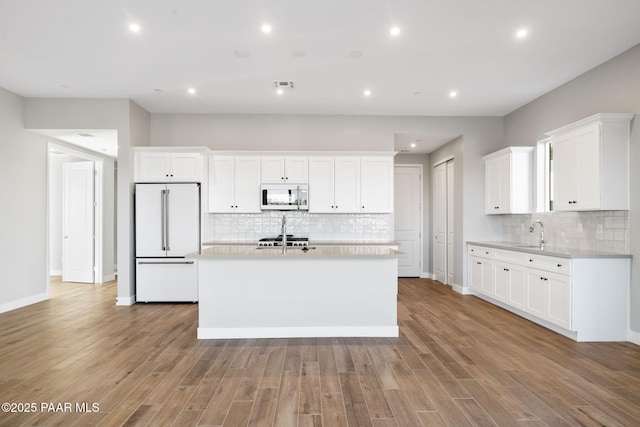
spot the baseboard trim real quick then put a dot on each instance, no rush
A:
(298, 332)
(126, 300)
(108, 277)
(55, 273)
(461, 289)
(633, 337)
(23, 302)
(426, 275)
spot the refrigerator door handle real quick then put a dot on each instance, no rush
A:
(166, 219)
(162, 218)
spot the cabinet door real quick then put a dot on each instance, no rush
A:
(502, 281)
(247, 184)
(296, 169)
(475, 278)
(537, 302)
(347, 184)
(376, 183)
(588, 168)
(272, 169)
(481, 275)
(221, 184)
(492, 186)
(186, 167)
(152, 167)
(564, 173)
(559, 311)
(321, 178)
(517, 286)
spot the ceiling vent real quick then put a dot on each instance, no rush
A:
(283, 85)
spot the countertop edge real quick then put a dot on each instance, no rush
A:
(569, 253)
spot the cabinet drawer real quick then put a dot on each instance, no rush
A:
(480, 251)
(551, 264)
(511, 256)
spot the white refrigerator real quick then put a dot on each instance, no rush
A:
(167, 227)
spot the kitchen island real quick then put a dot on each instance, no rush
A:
(328, 291)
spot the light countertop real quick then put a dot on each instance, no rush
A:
(550, 250)
(251, 251)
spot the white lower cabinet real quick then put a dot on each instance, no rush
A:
(587, 298)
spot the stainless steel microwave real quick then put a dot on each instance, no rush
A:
(284, 197)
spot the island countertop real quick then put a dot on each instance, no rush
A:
(550, 250)
(314, 252)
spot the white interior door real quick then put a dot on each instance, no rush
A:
(440, 222)
(407, 214)
(450, 223)
(78, 222)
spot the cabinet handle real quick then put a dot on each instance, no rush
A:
(286, 177)
(478, 262)
(486, 253)
(530, 260)
(282, 178)
(362, 206)
(506, 269)
(559, 265)
(544, 278)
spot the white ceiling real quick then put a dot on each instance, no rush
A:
(80, 48)
(103, 141)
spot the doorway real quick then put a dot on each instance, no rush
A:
(408, 218)
(443, 222)
(75, 215)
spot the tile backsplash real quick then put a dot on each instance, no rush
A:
(333, 227)
(606, 231)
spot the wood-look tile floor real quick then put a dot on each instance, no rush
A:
(459, 361)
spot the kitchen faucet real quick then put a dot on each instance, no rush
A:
(533, 226)
(283, 230)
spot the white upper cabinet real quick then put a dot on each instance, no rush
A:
(508, 178)
(234, 184)
(321, 188)
(163, 166)
(346, 185)
(350, 184)
(376, 184)
(591, 164)
(285, 169)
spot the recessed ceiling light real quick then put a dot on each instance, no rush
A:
(355, 54)
(522, 33)
(298, 53)
(367, 92)
(413, 145)
(242, 54)
(134, 28)
(417, 93)
(394, 31)
(191, 91)
(453, 94)
(158, 90)
(266, 28)
(280, 91)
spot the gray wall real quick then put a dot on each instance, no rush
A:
(23, 227)
(613, 87)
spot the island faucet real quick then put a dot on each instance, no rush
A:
(283, 231)
(533, 226)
